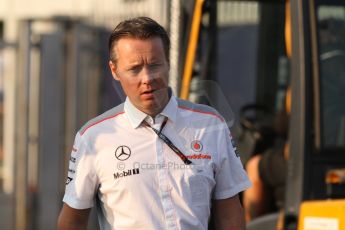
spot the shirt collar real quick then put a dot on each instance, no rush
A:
(170, 109)
(136, 117)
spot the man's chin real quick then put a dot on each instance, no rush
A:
(153, 106)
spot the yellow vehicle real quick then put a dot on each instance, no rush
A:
(249, 54)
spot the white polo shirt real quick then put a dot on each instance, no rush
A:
(139, 182)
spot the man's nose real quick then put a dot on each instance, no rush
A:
(147, 76)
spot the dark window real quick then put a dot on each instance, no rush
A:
(331, 48)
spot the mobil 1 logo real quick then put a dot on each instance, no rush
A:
(128, 172)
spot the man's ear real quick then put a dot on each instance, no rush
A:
(112, 67)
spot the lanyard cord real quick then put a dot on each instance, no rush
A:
(168, 142)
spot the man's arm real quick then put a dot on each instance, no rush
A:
(73, 219)
(228, 214)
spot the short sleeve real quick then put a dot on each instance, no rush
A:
(231, 178)
(81, 183)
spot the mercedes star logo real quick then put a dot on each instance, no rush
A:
(122, 153)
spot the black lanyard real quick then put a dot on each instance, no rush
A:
(169, 143)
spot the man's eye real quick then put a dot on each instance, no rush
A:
(155, 66)
(134, 70)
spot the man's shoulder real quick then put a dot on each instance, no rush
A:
(199, 109)
(109, 114)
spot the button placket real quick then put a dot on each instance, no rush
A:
(165, 188)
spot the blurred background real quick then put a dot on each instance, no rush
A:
(238, 56)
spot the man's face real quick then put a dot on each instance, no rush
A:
(142, 69)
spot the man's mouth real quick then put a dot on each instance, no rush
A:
(148, 92)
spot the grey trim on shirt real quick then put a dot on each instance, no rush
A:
(199, 107)
(109, 113)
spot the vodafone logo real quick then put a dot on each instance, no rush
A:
(196, 145)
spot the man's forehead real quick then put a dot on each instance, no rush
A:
(135, 48)
(130, 41)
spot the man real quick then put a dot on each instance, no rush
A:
(154, 162)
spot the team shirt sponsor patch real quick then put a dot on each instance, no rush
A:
(234, 146)
(72, 159)
(129, 172)
(122, 152)
(69, 179)
(200, 156)
(196, 145)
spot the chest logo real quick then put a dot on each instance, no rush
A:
(234, 146)
(196, 145)
(69, 179)
(122, 153)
